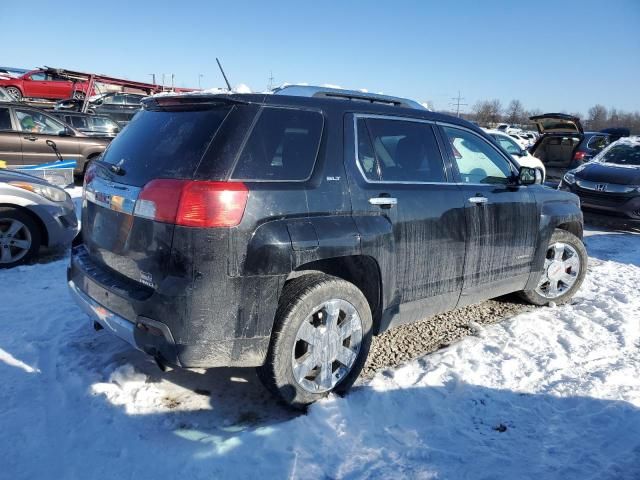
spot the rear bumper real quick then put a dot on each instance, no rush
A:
(152, 323)
(120, 327)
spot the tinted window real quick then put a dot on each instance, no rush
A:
(133, 100)
(283, 145)
(79, 122)
(5, 119)
(597, 143)
(38, 77)
(366, 158)
(396, 150)
(163, 144)
(114, 100)
(476, 159)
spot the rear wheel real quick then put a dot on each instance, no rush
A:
(14, 92)
(565, 266)
(320, 342)
(19, 237)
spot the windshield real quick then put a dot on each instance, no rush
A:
(622, 154)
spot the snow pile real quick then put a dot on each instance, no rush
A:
(554, 393)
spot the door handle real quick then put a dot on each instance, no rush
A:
(33, 138)
(478, 200)
(383, 201)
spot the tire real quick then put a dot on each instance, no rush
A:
(566, 259)
(14, 92)
(28, 234)
(309, 300)
(78, 95)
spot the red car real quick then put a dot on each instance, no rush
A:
(43, 84)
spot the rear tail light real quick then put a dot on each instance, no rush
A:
(579, 156)
(193, 203)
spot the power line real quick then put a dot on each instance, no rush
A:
(457, 103)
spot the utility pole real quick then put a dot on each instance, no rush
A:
(153, 78)
(457, 103)
(200, 81)
(172, 78)
(270, 84)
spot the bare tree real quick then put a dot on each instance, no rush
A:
(515, 112)
(597, 117)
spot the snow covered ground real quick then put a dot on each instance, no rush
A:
(554, 393)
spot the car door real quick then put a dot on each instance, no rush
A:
(10, 143)
(39, 132)
(34, 85)
(59, 87)
(409, 213)
(502, 218)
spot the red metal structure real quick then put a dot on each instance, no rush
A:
(89, 82)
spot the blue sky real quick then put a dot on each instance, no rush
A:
(553, 55)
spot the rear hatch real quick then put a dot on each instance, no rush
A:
(557, 123)
(120, 229)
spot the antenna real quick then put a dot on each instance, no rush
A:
(223, 75)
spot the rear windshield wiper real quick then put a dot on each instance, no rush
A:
(110, 167)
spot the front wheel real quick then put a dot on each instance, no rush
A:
(19, 237)
(320, 342)
(78, 95)
(564, 269)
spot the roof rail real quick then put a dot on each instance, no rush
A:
(353, 95)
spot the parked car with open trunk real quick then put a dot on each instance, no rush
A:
(563, 144)
(283, 231)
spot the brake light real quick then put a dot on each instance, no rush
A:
(579, 156)
(193, 203)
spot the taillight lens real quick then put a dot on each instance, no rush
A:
(193, 203)
(579, 156)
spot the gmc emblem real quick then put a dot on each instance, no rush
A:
(601, 187)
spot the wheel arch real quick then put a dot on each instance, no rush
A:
(361, 270)
(574, 227)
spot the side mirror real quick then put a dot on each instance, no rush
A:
(529, 176)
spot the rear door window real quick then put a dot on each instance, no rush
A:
(164, 144)
(282, 146)
(398, 151)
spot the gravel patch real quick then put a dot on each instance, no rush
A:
(410, 341)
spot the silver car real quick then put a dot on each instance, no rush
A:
(33, 213)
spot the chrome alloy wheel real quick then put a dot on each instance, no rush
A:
(15, 240)
(560, 272)
(326, 346)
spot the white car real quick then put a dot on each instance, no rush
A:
(519, 154)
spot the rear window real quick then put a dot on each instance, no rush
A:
(283, 145)
(164, 144)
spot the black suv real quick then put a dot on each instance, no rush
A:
(283, 231)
